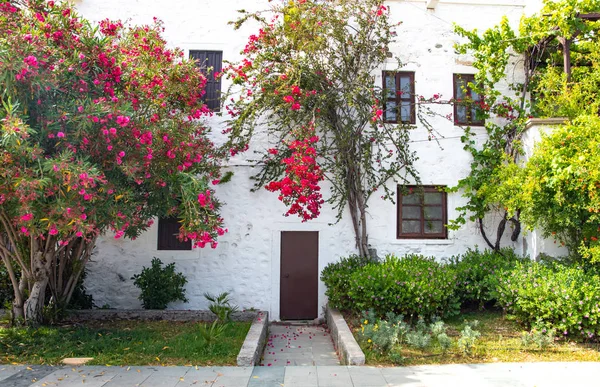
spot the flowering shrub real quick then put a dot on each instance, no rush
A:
(100, 130)
(553, 296)
(478, 273)
(413, 285)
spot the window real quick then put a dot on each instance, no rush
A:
(168, 230)
(422, 213)
(466, 101)
(210, 63)
(399, 89)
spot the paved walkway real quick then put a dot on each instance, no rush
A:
(461, 375)
(305, 345)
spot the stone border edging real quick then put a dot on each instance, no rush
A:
(153, 315)
(343, 339)
(254, 343)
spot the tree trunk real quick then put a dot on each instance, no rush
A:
(34, 305)
(19, 301)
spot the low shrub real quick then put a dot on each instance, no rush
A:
(552, 296)
(477, 273)
(160, 285)
(412, 285)
(336, 276)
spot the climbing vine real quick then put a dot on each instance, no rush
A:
(557, 51)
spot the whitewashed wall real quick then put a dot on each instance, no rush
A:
(247, 259)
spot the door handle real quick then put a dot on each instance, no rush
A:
(286, 275)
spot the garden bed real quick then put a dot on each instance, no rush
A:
(500, 341)
(122, 343)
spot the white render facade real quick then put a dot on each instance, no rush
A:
(247, 260)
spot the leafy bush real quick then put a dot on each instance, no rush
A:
(477, 273)
(159, 285)
(336, 276)
(553, 296)
(412, 285)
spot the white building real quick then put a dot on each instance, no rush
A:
(248, 261)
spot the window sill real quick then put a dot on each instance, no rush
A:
(439, 242)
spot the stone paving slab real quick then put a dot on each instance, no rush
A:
(459, 375)
(304, 345)
(27, 376)
(7, 371)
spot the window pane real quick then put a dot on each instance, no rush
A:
(405, 85)
(475, 97)
(474, 113)
(390, 85)
(413, 198)
(461, 113)
(433, 198)
(411, 227)
(434, 213)
(390, 111)
(434, 227)
(405, 111)
(411, 212)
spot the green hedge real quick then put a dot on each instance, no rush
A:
(337, 278)
(412, 285)
(552, 296)
(477, 273)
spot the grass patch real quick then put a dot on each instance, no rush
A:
(122, 343)
(500, 341)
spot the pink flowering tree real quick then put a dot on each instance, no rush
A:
(100, 130)
(308, 76)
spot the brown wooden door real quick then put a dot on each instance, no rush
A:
(299, 275)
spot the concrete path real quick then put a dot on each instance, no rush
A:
(460, 375)
(304, 345)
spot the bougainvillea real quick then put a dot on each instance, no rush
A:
(300, 189)
(100, 130)
(308, 76)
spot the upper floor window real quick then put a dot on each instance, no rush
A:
(168, 231)
(467, 102)
(399, 91)
(422, 213)
(210, 63)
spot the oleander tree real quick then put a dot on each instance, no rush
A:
(308, 77)
(101, 130)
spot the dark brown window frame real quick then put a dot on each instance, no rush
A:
(170, 242)
(213, 102)
(466, 78)
(422, 234)
(399, 98)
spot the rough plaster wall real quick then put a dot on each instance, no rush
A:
(247, 259)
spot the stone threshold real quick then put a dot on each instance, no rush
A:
(343, 339)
